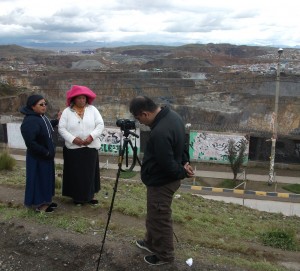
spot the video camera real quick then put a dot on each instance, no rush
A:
(126, 124)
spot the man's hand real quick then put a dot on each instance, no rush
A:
(189, 170)
(78, 141)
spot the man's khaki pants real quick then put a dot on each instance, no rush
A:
(159, 224)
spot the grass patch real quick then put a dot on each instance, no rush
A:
(65, 221)
(233, 225)
(59, 167)
(13, 177)
(229, 183)
(294, 188)
(130, 198)
(7, 162)
(58, 183)
(127, 174)
(200, 224)
(283, 239)
(250, 264)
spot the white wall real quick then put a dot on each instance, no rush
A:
(14, 136)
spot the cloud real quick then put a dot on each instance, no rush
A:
(187, 21)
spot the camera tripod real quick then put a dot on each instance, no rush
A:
(123, 150)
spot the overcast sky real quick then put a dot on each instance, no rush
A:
(254, 22)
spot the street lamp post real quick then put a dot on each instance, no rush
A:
(275, 119)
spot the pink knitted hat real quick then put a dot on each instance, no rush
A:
(80, 90)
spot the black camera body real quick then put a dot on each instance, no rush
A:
(126, 124)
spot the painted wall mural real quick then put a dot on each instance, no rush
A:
(111, 138)
(213, 147)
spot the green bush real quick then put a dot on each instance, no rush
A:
(285, 240)
(7, 162)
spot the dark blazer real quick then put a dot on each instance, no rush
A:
(165, 152)
(37, 133)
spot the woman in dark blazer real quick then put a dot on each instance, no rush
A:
(37, 132)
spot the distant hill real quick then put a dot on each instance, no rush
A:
(187, 57)
(19, 51)
(55, 46)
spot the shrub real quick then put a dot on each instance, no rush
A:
(280, 239)
(7, 162)
(236, 155)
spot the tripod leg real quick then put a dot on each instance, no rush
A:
(126, 155)
(109, 216)
(120, 161)
(135, 156)
(126, 152)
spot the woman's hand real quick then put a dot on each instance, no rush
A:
(88, 140)
(59, 115)
(78, 141)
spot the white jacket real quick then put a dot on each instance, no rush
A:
(71, 126)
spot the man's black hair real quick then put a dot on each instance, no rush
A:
(142, 103)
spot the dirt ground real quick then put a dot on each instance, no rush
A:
(29, 246)
(40, 247)
(37, 247)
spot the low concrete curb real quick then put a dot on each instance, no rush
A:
(241, 192)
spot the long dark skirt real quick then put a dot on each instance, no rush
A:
(81, 174)
(40, 181)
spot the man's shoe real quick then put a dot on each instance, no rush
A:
(153, 260)
(141, 244)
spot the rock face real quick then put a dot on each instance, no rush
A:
(227, 105)
(217, 88)
(220, 88)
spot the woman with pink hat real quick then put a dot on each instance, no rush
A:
(81, 125)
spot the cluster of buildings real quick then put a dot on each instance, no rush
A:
(267, 64)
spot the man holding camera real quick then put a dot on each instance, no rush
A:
(165, 163)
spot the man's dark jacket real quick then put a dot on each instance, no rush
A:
(165, 153)
(37, 133)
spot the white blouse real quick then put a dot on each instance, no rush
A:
(71, 126)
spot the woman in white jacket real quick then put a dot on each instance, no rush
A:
(81, 125)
